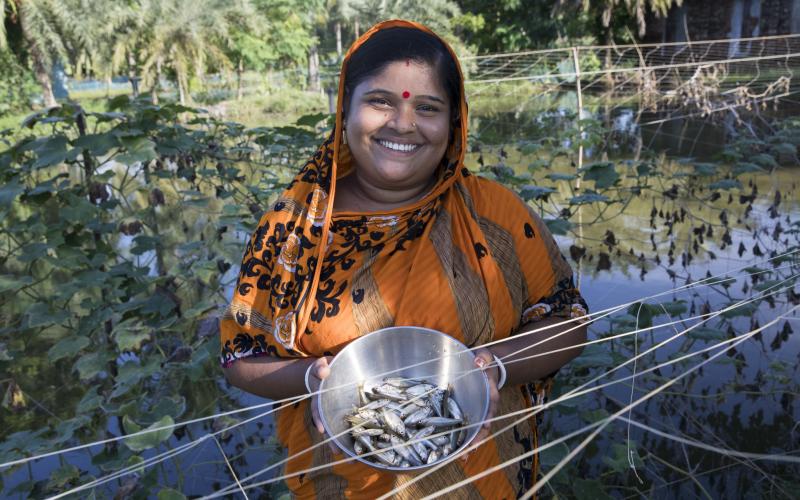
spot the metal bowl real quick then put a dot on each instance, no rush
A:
(401, 351)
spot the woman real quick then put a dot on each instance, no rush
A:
(406, 236)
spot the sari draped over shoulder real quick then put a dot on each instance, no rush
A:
(470, 259)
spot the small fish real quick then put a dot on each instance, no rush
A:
(375, 405)
(430, 444)
(421, 451)
(390, 392)
(388, 457)
(433, 456)
(385, 437)
(365, 441)
(362, 395)
(453, 409)
(420, 390)
(393, 422)
(440, 421)
(418, 415)
(437, 398)
(441, 440)
(358, 448)
(367, 432)
(405, 464)
(401, 383)
(424, 432)
(405, 451)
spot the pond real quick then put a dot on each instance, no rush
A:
(663, 204)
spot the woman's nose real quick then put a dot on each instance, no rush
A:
(403, 119)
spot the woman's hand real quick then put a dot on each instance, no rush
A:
(319, 371)
(484, 359)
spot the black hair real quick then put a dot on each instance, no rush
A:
(400, 44)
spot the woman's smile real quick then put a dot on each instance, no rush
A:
(398, 130)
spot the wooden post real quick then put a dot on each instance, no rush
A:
(576, 62)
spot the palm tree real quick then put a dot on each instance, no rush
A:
(190, 38)
(45, 26)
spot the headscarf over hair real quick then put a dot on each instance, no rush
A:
(282, 259)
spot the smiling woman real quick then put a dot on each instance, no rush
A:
(385, 226)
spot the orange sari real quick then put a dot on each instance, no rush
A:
(470, 259)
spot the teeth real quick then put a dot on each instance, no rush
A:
(399, 147)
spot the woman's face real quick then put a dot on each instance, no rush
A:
(398, 126)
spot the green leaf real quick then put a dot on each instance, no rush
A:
(59, 478)
(130, 338)
(90, 365)
(173, 407)
(10, 191)
(644, 169)
(311, 120)
(741, 310)
(9, 283)
(588, 197)
(97, 144)
(765, 160)
(50, 151)
(40, 314)
(90, 401)
(558, 226)
(603, 174)
(561, 177)
(705, 169)
(532, 192)
(675, 308)
(150, 439)
(170, 494)
(771, 284)
(726, 184)
(706, 334)
(67, 347)
(593, 356)
(137, 149)
(589, 489)
(746, 168)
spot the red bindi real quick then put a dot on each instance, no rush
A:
(406, 94)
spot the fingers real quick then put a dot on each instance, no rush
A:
(315, 417)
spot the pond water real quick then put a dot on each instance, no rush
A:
(653, 243)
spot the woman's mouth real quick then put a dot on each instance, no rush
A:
(398, 147)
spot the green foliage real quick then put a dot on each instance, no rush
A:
(17, 85)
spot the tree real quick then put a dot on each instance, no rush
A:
(45, 26)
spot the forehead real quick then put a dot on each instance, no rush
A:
(417, 78)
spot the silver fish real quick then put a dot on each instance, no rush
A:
(418, 415)
(367, 432)
(390, 392)
(453, 409)
(405, 451)
(358, 448)
(375, 405)
(440, 421)
(420, 390)
(401, 382)
(441, 440)
(430, 444)
(433, 456)
(393, 422)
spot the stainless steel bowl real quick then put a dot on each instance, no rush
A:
(404, 351)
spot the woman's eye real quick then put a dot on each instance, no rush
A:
(428, 108)
(379, 101)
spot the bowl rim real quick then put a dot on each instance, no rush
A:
(413, 467)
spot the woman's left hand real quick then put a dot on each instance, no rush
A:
(484, 359)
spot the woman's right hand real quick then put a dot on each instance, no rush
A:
(319, 371)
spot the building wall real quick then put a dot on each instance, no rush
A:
(719, 19)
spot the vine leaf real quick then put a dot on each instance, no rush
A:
(150, 439)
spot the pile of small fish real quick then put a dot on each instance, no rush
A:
(399, 415)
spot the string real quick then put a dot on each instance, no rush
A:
(565, 397)
(297, 399)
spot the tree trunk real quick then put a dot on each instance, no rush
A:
(357, 28)
(609, 76)
(338, 27)
(181, 90)
(314, 83)
(40, 67)
(157, 82)
(132, 74)
(239, 72)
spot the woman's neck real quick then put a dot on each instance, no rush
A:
(353, 194)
